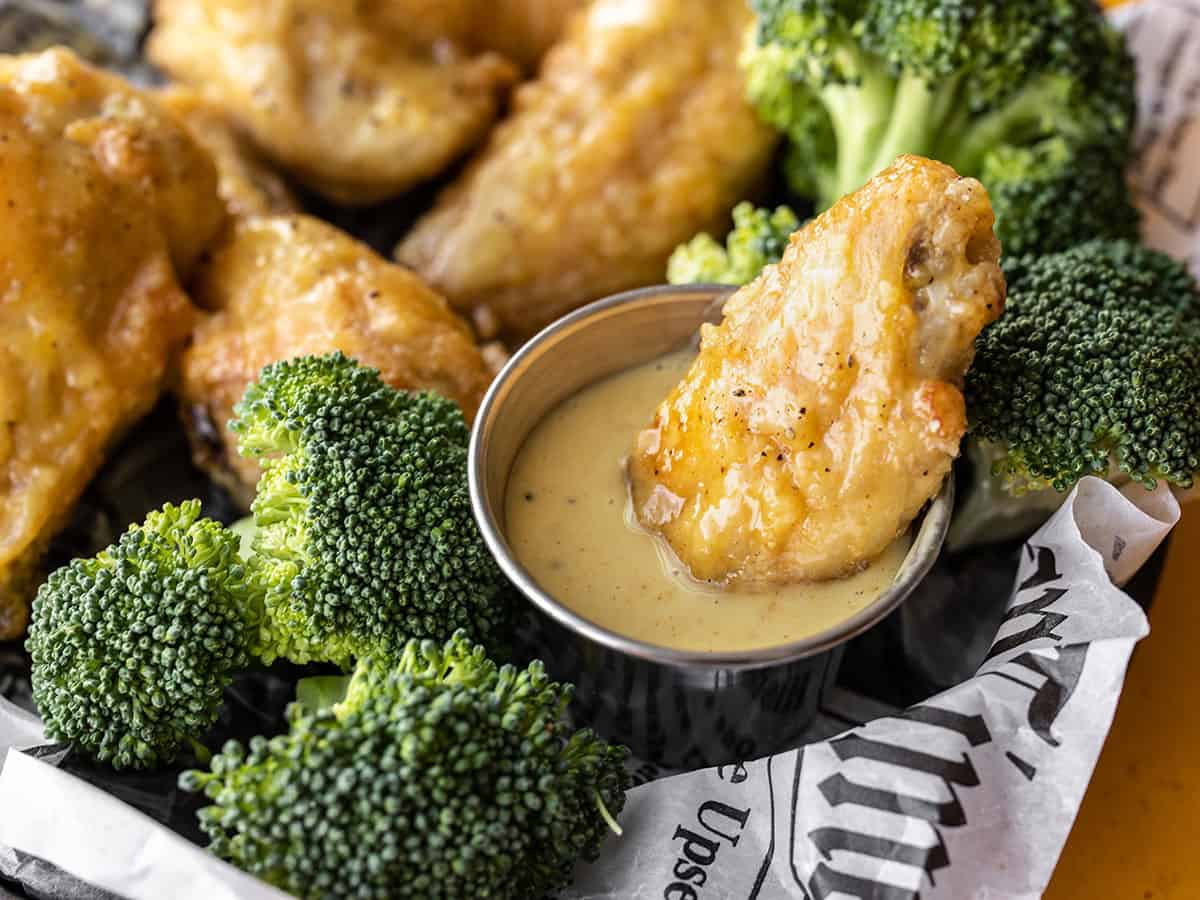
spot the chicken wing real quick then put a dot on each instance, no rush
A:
(101, 192)
(285, 286)
(634, 137)
(246, 184)
(825, 410)
(354, 108)
(519, 30)
(522, 30)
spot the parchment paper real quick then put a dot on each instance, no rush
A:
(969, 794)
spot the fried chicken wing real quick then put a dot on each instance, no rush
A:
(101, 192)
(286, 286)
(246, 184)
(519, 30)
(354, 108)
(634, 137)
(131, 139)
(825, 410)
(522, 30)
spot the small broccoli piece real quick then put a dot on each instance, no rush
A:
(364, 532)
(1049, 198)
(759, 238)
(132, 649)
(998, 90)
(1093, 369)
(442, 776)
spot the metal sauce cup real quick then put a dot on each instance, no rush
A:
(674, 707)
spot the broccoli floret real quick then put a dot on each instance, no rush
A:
(1049, 197)
(759, 237)
(1093, 369)
(132, 649)
(998, 90)
(365, 536)
(441, 776)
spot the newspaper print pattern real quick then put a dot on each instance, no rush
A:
(969, 794)
(1165, 39)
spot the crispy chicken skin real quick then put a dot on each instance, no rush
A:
(354, 108)
(286, 286)
(246, 184)
(523, 30)
(101, 190)
(825, 410)
(634, 137)
(519, 30)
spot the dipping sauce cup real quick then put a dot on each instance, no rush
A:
(677, 708)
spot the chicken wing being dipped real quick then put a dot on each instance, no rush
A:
(246, 184)
(105, 196)
(286, 286)
(824, 410)
(354, 107)
(634, 137)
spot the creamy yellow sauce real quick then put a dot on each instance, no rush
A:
(570, 524)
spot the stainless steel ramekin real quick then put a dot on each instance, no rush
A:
(674, 707)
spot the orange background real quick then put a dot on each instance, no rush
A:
(1138, 834)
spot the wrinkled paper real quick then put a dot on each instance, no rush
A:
(968, 794)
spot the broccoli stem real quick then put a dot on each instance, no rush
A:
(913, 125)
(860, 114)
(203, 754)
(320, 692)
(968, 139)
(612, 823)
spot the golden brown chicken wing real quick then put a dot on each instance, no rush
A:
(634, 137)
(824, 410)
(522, 30)
(246, 184)
(519, 30)
(100, 190)
(356, 109)
(286, 286)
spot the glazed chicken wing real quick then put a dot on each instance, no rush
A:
(634, 137)
(245, 182)
(286, 286)
(354, 107)
(824, 410)
(101, 191)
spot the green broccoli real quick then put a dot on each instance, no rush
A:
(441, 776)
(1093, 369)
(364, 533)
(132, 649)
(1036, 99)
(759, 237)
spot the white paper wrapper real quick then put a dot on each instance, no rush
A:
(1165, 38)
(970, 794)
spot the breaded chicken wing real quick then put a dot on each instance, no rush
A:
(246, 184)
(634, 137)
(286, 286)
(519, 30)
(825, 410)
(103, 194)
(353, 107)
(522, 30)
